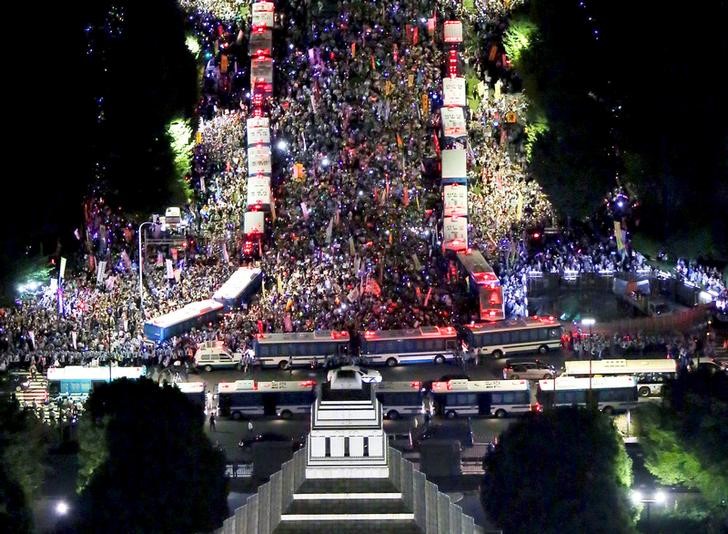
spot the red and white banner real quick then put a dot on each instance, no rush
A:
(258, 129)
(254, 222)
(453, 92)
(258, 191)
(455, 233)
(453, 31)
(259, 160)
(455, 200)
(453, 123)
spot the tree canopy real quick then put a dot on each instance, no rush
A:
(156, 470)
(684, 438)
(562, 471)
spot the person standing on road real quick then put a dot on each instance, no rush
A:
(213, 425)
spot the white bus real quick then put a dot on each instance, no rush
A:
(532, 334)
(77, 382)
(651, 374)
(611, 393)
(239, 288)
(427, 344)
(194, 391)
(480, 397)
(400, 398)
(248, 398)
(300, 348)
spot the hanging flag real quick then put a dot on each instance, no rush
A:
(425, 104)
(63, 268)
(329, 231)
(427, 298)
(170, 269)
(279, 284)
(400, 143)
(519, 207)
(618, 235)
(225, 255)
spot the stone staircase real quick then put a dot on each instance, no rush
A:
(37, 391)
(347, 506)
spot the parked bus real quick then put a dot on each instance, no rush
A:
(248, 398)
(531, 334)
(77, 382)
(194, 391)
(180, 321)
(400, 398)
(484, 285)
(611, 393)
(242, 285)
(427, 344)
(300, 348)
(651, 374)
(480, 397)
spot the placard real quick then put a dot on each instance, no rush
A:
(455, 233)
(254, 222)
(455, 200)
(258, 191)
(258, 130)
(259, 160)
(453, 31)
(263, 14)
(454, 163)
(453, 123)
(453, 92)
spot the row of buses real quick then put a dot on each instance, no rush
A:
(427, 344)
(454, 398)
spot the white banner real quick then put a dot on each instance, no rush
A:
(63, 268)
(254, 222)
(454, 163)
(455, 233)
(263, 14)
(259, 160)
(453, 31)
(170, 269)
(453, 123)
(453, 91)
(258, 129)
(261, 70)
(258, 191)
(101, 273)
(455, 200)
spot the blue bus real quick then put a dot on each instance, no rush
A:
(427, 344)
(242, 285)
(182, 320)
(77, 381)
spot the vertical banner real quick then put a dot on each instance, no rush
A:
(618, 235)
(170, 270)
(62, 272)
(101, 272)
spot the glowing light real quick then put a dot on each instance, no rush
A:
(660, 497)
(636, 497)
(62, 508)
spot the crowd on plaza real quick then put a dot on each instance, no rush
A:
(354, 239)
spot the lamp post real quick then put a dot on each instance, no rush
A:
(658, 497)
(590, 322)
(141, 270)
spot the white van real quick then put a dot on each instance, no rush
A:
(217, 357)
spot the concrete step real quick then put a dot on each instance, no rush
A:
(358, 507)
(345, 527)
(332, 486)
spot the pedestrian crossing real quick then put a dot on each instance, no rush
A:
(30, 390)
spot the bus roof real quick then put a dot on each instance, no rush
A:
(190, 387)
(190, 311)
(252, 386)
(411, 333)
(474, 262)
(237, 283)
(619, 366)
(572, 382)
(77, 372)
(414, 385)
(461, 384)
(304, 337)
(513, 324)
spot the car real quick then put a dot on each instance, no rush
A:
(533, 370)
(217, 357)
(721, 361)
(368, 376)
(268, 437)
(710, 365)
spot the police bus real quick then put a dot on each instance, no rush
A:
(480, 397)
(484, 285)
(400, 398)
(249, 398)
(651, 374)
(182, 320)
(611, 393)
(76, 382)
(300, 348)
(242, 285)
(194, 391)
(531, 334)
(427, 344)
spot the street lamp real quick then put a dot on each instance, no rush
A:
(590, 322)
(141, 270)
(637, 497)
